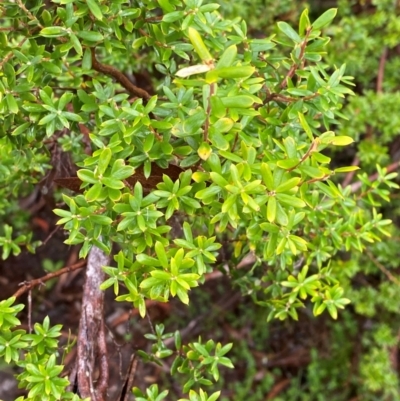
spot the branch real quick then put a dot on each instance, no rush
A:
(28, 285)
(381, 70)
(357, 185)
(295, 65)
(119, 76)
(382, 268)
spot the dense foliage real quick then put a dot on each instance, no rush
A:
(183, 134)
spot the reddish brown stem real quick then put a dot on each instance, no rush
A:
(119, 76)
(27, 285)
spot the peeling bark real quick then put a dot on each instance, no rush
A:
(92, 364)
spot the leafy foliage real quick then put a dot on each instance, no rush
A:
(248, 123)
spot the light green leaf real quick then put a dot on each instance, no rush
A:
(289, 31)
(204, 151)
(228, 57)
(325, 19)
(95, 9)
(199, 46)
(271, 209)
(53, 31)
(161, 255)
(91, 36)
(288, 185)
(239, 101)
(12, 104)
(104, 160)
(346, 169)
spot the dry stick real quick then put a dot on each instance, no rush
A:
(27, 285)
(91, 338)
(119, 76)
(349, 176)
(382, 268)
(379, 84)
(278, 388)
(10, 54)
(28, 13)
(30, 311)
(381, 70)
(128, 381)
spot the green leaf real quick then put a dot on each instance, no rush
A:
(325, 19)
(232, 72)
(95, 9)
(87, 60)
(288, 185)
(173, 16)
(112, 183)
(94, 192)
(313, 172)
(148, 143)
(91, 36)
(218, 140)
(199, 46)
(53, 31)
(289, 31)
(192, 124)
(305, 126)
(76, 43)
(204, 151)
(240, 101)
(304, 23)
(51, 67)
(218, 179)
(290, 200)
(12, 104)
(21, 129)
(147, 260)
(346, 169)
(271, 209)
(341, 140)
(87, 176)
(208, 192)
(120, 171)
(228, 57)
(288, 164)
(161, 255)
(104, 160)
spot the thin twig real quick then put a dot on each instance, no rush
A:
(295, 65)
(28, 285)
(357, 185)
(207, 123)
(349, 176)
(382, 268)
(28, 13)
(30, 311)
(119, 76)
(381, 70)
(9, 55)
(129, 377)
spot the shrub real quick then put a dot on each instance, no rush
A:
(231, 137)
